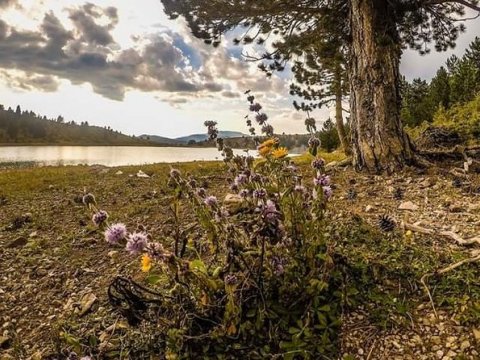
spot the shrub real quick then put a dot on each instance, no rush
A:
(253, 277)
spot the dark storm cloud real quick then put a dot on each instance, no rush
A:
(88, 54)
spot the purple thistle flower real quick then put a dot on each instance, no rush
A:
(174, 173)
(116, 233)
(100, 217)
(255, 107)
(270, 212)
(244, 193)
(318, 164)
(322, 180)
(327, 192)
(261, 118)
(314, 142)
(211, 201)
(231, 279)
(260, 193)
(155, 250)
(278, 265)
(241, 179)
(300, 188)
(267, 130)
(201, 192)
(136, 243)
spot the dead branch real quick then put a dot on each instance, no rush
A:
(448, 234)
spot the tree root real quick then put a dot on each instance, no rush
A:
(457, 153)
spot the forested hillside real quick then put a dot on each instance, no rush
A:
(26, 127)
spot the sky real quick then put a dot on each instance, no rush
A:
(124, 64)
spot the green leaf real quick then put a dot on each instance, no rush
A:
(153, 279)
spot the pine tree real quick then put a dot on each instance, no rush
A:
(373, 31)
(440, 89)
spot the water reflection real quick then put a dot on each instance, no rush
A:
(105, 155)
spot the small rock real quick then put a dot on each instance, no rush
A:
(369, 208)
(119, 172)
(86, 303)
(465, 345)
(141, 174)
(408, 205)
(234, 203)
(33, 234)
(18, 242)
(439, 354)
(5, 342)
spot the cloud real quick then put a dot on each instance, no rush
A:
(88, 54)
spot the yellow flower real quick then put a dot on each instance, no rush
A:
(264, 151)
(268, 143)
(280, 153)
(146, 263)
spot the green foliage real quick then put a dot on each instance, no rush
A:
(462, 118)
(328, 135)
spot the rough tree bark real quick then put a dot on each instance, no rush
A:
(378, 139)
(342, 134)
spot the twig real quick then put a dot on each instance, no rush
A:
(424, 278)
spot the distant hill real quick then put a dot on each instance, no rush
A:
(195, 138)
(26, 127)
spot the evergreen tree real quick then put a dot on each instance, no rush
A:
(440, 89)
(374, 33)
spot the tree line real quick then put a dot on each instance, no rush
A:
(26, 127)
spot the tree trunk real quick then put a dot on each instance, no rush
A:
(342, 134)
(379, 142)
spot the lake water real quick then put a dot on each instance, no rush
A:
(105, 155)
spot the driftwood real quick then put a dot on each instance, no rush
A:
(448, 234)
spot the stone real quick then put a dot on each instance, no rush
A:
(18, 242)
(369, 208)
(408, 205)
(5, 342)
(465, 345)
(234, 203)
(86, 303)
(119, 172)
(141, 174)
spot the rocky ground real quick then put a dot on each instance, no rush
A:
(55, 267)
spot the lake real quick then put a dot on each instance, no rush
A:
(105, 155)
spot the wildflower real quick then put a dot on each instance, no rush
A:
(327, 192)
(241, 179)
(100, 217)
(270, 211)
(256, 177)
(267, 130)
(280, 153)
(251, 98)
(261, 118)
(264, 151)
(155, 250)
(322, 180)
(300, 188)
(221, 214)
(244, 193)
(201, 192)
(136, 243)
(89, 199)
(314, 142)
(318, 163)
(278, 265)
(310, 122)
(211, 201)
(292, 168)
(174, 173)
(116, 233)
(146, 263)
(260, 193)
(255, 107)
(231, 279)
(192, 183)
